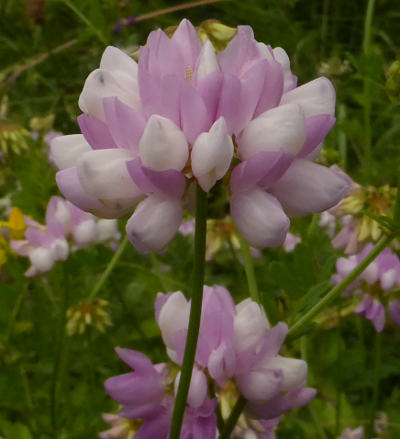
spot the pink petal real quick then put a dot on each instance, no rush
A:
(96, 132)
(126, 125)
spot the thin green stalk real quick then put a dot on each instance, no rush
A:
(363, 355)
(59, 353)
(367, 86)
(249, 269)
(195, 313)
(28, 397)
(376, 377)
(236, 263)
(335, 292)
(233, 418)
(109, 269)
(15, 312)
(338, 386)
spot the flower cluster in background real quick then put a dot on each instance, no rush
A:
(67, 228)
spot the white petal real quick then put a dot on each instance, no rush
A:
(42, 259)
(250, 325)
(102, 84)
(315, 97)
(86, 232)
(115, 60)
(212, 154)
(66, 150)
(283, 127)
(173, 317)
(154, 223)
(207, 62)
(197, 390)
(107, 229)
(59, 249)
(259, 218)
(163, 145)
(103, 174)
(294, 371)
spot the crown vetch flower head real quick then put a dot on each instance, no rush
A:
(181, 113)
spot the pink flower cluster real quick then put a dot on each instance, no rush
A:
(66, 227)
(236, 347)
(149, 129)
(377, 285)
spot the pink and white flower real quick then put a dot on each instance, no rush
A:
(149, 128)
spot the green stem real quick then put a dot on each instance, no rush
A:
(59, 352)
(195, 313)
(249, 269)
(335, 292)
(15, 312)
(233, 418)
(338, 386)
(376, 377)
(367, 86)
(109, 269)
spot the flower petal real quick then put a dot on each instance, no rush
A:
(154, 223)
(316, 97)
(211, 155)
(309, 188)
(163, 145)
(282, 127)
(66, 150)
(259, 218)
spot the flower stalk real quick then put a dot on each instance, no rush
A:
(195, 312)
(233, 418)
(249, 269)
(110, 267)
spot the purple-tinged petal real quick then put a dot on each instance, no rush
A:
(240, 53)
(96, 132)
(272, 90)
(316, 97)
(198, 388)
(134, 388)
(160, 301)
(154, 223)
(194, 117)
(294, 371)
(264, 168)
(290, 80)
(41, 259)
(230, 103)
(136, 360)
(126, 125)
(281, 128)
(309, 188)
(187, 41)
(169, 184)
(57, 217)
(103, 174)
(209, 89)
(70, 187)
(260, 385)
(317, 127)
(221, 364)
(21, 247)
(259, 218)
(38, 238)
(281, 404)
